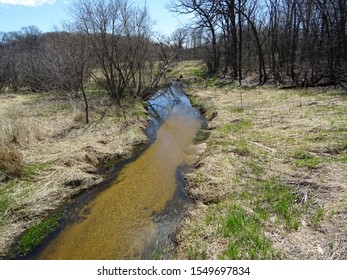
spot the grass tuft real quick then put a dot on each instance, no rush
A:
(11, 159)
(279, 200)
(242, 148)
(31, 169)
(34, 235)
(318, 216)
(246, 237)
(196, 252)
(305, 159)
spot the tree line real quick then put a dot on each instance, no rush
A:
(107, 42)
(301, 42)
(110, 42)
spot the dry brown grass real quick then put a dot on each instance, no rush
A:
(60, 154)
(294, 137)
(11, 160)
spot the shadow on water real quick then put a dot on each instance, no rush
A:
(136, 215)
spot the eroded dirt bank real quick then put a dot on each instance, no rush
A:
(60, 154)
(272, 181)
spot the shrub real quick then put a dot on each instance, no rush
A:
(11, 159)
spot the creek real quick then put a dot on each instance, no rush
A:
(135, 216)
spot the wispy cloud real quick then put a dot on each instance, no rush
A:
(26, 2)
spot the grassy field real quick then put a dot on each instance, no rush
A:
(48, 155)
(272, 181)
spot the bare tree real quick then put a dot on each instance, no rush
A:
(118, 34)
(298, 42)
(205, 20)
(228, 23)
(71, 60)
(3, 76)
(178, 40)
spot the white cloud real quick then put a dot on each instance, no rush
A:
(27, 2)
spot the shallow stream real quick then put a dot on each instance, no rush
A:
(133, 218)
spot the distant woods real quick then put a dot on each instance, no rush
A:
(107, 43)
(283, 41)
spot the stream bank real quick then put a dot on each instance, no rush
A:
(61, 156)
(145, 203)
(271, 183)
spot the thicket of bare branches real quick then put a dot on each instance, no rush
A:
(302, 42)
(108, 42)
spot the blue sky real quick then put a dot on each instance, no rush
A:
(45, 14)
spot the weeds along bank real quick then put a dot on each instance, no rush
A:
(48, 155)
(270, 185)
(272, 182)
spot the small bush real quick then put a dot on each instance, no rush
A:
(11, 159)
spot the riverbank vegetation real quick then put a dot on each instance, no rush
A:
(270, 184)
(72, 102)
(49, 155)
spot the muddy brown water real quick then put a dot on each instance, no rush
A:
(131, 218)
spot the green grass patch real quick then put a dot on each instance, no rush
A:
(223, 143)
(32, 169)
(238, 110)
(236, 126)
(318, 216)
(241, 125)
(279, 200)
(305, 159)
(261, 212)
(34, 235)
(256, 167)
(246, 237)
(63, 107)
(269, 202)
(242, 148)
(342, 158)
(205, 108)
(321, 136)
(309, 162)
(198, 72)
(304, 93)
(225, 129)
(211, 82)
